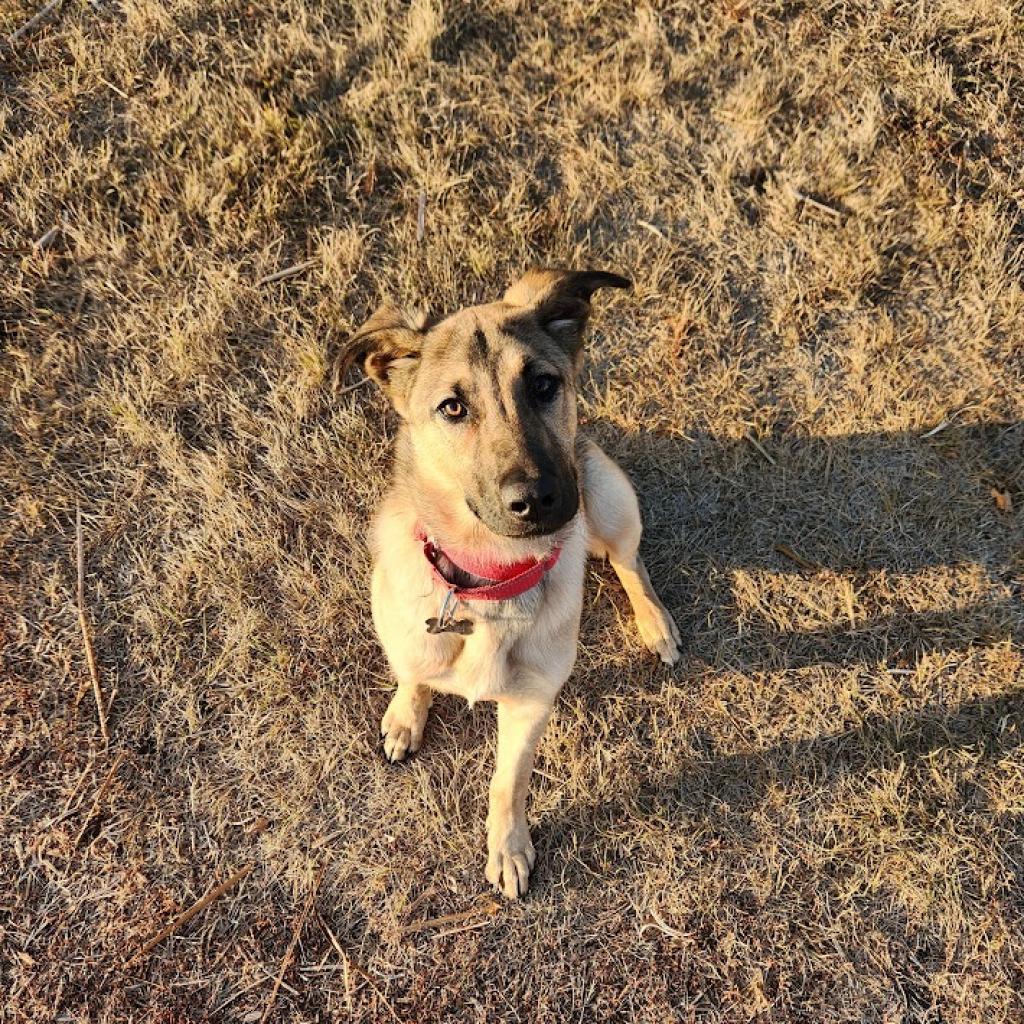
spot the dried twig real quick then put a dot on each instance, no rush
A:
(355, 968)
(785, 549)
(67, 809)
(197, 908)
(34, 22)
(936, 430)
(292, 271)
(83, 622)
(98, 799)
(290, 951)
(817, 204)
(44, 241)
(421, 217)
(661, 926)
(348, 985)
(110, 85)
(490, 908)
(352, 387)
(654, 229)
(757, 444)
(472, 926)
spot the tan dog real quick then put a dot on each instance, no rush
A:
(480, 543)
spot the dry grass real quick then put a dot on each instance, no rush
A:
(819, 817)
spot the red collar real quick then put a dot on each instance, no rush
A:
(504, 581)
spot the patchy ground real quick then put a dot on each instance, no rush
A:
(817, 385)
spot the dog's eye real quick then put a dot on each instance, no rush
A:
(545, 387)
(452, 409)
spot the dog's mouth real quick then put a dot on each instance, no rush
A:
(523, 529)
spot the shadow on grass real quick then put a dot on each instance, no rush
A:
(908, 521)
(726, 796)
(898, 516)
(987, 728)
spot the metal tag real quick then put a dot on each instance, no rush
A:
(463, 626)
(446, 621)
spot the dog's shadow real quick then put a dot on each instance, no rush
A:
(786, 552)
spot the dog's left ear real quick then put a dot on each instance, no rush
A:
(560, 299)
(388, 345)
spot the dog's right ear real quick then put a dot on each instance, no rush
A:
(388, 345)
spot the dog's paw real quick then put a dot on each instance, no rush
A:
(510, 858)
(402, 726)
(659, 632)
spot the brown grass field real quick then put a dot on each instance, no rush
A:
(817, 386)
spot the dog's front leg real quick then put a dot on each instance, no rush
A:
(510, 853)
(403, 722)
(613, 520)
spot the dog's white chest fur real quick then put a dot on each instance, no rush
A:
(513, 646)
(483, 669)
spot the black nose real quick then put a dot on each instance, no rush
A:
(530, 499)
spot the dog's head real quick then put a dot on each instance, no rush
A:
(488, 398)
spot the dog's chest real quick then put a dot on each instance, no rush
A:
(485, 666)
(525, 644)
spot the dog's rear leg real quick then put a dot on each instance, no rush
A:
(613, 520)
(403, 722)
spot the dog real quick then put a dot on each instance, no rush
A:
(495, 502)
